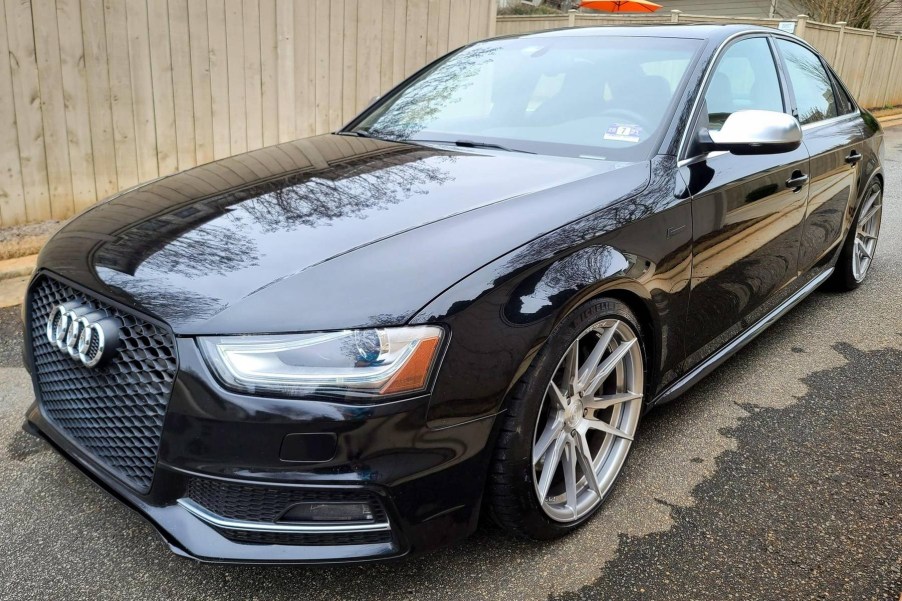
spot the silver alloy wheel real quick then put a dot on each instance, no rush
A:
(587, 420)
(866, 231)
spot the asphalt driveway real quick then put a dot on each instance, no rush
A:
(778, 477)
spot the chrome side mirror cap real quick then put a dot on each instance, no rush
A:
(755, 132)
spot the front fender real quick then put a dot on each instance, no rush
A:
(501, 315)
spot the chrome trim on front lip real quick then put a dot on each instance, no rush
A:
(211, 518)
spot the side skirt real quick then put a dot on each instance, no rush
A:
(711, 363)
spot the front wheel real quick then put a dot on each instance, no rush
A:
(860, 246)
(570, 423)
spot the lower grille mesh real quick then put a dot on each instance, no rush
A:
(267, 504)
(114, 411)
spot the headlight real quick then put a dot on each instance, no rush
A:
(350, 363)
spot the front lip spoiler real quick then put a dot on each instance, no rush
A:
(198, 532)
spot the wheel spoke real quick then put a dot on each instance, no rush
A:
(558, 395)
(588, 368)
(552, 433)
(607, 366)
(862, 248)
(552, 459)
(568, 462)
(584, 456)
(870, 214)
(571, 369)
(609, 400)
(597, 424)
(863, 234)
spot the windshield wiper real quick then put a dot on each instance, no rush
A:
(473, 144)
(358, 133)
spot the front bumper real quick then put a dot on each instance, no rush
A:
(426, 483)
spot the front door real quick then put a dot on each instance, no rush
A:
(746, 210)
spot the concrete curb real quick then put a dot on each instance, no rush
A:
(14, 277)
(12, 291)
(890, 120)
(16, 268)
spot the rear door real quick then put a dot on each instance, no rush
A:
(832, 133)
(746, 210)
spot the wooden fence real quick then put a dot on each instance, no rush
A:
(870, 63)
(99, 95)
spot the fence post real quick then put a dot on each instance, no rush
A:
(675, 16)
(838, 56)
(892, 69)
(571, 17)
(801, 21)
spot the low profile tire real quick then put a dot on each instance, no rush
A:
(860, 246)
(569, 423)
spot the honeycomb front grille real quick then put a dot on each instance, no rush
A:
(267, 504)
(114, 411)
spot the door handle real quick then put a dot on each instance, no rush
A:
(797, 181)
(853, 157)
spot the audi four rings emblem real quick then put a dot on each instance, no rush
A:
(84, 333)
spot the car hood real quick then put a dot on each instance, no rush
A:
(323, 233)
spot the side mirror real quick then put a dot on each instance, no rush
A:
(754, 132)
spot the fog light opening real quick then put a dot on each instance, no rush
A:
(329, 512)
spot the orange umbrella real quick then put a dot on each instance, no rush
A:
(621, 6)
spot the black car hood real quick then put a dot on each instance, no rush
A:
(324, 233)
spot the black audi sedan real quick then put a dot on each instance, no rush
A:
(350, 347)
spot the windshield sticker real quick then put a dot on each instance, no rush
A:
(623, 133)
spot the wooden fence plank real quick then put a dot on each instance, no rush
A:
(234, 16)
(443, 33)
(305, 68)
(400, 37)
(285, 29)
(75, 95)
(219, 78)
(53, 109)
(121, 94)
(432, 28)
(350, 67)
(29, 123)
(253, 74)
(269, 61)
(459, 22)
(336, 58)
(387, 39)
(368, 59)
(161, 78)
(12, 194)
(415, 38)
(321, 17)
(103, 146)
(142, 89)
(201, 88)
(183, 95)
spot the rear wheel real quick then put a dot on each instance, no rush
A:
(570, 423)
(860, 246)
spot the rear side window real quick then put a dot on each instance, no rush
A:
(810, 83)
(844, 104)
(745, 78)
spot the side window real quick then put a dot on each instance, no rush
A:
(844, 104)
(810, 82)
(745, 78)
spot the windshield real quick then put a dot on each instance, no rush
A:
(591, 96)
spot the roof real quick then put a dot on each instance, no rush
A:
(702, 31)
